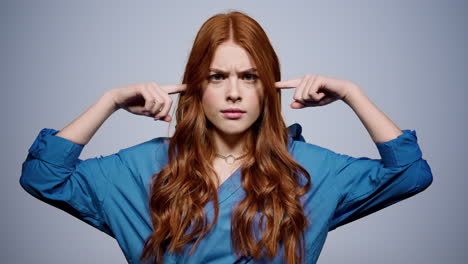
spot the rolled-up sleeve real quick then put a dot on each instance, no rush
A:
(53, 173)
(367, 185)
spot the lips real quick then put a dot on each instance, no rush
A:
(233, 113)
(232, 110)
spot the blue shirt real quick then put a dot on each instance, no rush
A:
(111, 192)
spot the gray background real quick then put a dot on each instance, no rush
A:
(409, 57)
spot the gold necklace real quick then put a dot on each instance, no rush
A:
(230, 159)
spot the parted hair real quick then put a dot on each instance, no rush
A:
(270, 176)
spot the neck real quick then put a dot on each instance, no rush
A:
(229, 144)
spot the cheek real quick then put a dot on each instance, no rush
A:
(209, 101)
(254, 103)
(258, 97)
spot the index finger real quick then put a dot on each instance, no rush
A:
(288, 83)
(176, 88)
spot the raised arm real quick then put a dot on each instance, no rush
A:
(142, 99)
(380, 127)
(364, 185)
(53, 172)
(83, 128)
(316, 90)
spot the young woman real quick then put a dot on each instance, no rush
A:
(233, 184)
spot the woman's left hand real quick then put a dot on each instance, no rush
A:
(316, 90)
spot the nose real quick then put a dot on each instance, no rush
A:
(233, 90)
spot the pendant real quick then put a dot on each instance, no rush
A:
(230, 159)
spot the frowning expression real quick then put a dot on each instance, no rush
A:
(233, 93)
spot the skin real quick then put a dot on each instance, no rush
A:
(238, 90)
(310, 91)
(231, 87)
(314, 90)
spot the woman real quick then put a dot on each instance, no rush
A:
(233, 184)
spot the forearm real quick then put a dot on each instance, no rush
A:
(379, 126)
(83, 128)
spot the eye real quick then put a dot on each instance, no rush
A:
(250, 77)
(212, 77)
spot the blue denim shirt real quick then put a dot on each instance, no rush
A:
(111, 192)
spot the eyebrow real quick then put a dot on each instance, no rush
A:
(224, 72)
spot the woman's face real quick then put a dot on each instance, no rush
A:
(232, 86)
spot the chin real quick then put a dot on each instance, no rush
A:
(232, 128)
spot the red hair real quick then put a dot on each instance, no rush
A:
(270, 175)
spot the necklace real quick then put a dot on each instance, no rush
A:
(229, 159)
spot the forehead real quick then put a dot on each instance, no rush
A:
(230, 56)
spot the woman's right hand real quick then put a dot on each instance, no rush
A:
(149, 99)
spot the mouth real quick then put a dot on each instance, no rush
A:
(232, 110)
(233, 113)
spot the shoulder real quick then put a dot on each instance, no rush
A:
(305, 148)
(320, 162)
(145, 146)
(302, 150)
(147, 151)
(314, 157)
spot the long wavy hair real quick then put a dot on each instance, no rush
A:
(270, 175)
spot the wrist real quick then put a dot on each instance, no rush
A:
(352, 92)
(108, 99)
